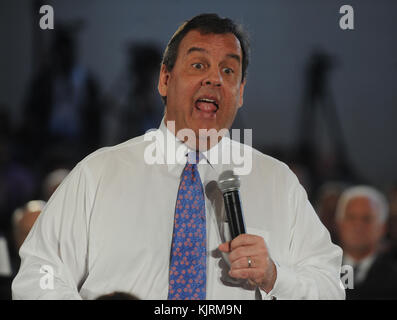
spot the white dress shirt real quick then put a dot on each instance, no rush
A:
(108, 228)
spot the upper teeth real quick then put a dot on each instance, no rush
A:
(208, 100)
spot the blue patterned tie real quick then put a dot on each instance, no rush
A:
(187, 278)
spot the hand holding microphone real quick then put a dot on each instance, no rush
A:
(248, 254)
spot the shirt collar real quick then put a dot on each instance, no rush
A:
(361, 268)
(173, 151)
(364, 263)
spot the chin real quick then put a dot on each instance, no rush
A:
(197, 126)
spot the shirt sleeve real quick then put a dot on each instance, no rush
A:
(311, 267)
(53, 256)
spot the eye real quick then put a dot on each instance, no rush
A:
(198, 66)
(228, 70)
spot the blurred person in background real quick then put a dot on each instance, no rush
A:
(62, 114)
(117, 295)
(321, 146)
(18, 185)
(134, 105)
(17, 182)
(25, 216)
(361, 220)
(392, 223)
(23, 220)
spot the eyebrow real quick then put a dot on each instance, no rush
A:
(193, 49)
(197, 49)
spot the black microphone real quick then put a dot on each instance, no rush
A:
(229, 183)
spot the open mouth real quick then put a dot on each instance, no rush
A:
(207, 105)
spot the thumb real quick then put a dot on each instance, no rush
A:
(224, 247)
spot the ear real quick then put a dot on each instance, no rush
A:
(241, 94)
(163, 81)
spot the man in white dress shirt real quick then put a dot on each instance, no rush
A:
(109, 226)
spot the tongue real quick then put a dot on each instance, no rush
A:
(206, 106)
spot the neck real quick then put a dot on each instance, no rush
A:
(361, 254)
(193, 139)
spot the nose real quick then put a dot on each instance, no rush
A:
(213, 78)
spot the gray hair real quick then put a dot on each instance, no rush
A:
(377, 199)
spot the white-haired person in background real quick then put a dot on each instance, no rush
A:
(361, 217)
(22, 221)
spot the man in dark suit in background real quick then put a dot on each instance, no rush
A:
(361, 219)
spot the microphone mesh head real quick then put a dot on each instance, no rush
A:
(228, 181)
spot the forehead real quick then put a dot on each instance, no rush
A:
(222, 44)
(360, 205)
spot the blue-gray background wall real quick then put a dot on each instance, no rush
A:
(283, 34)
